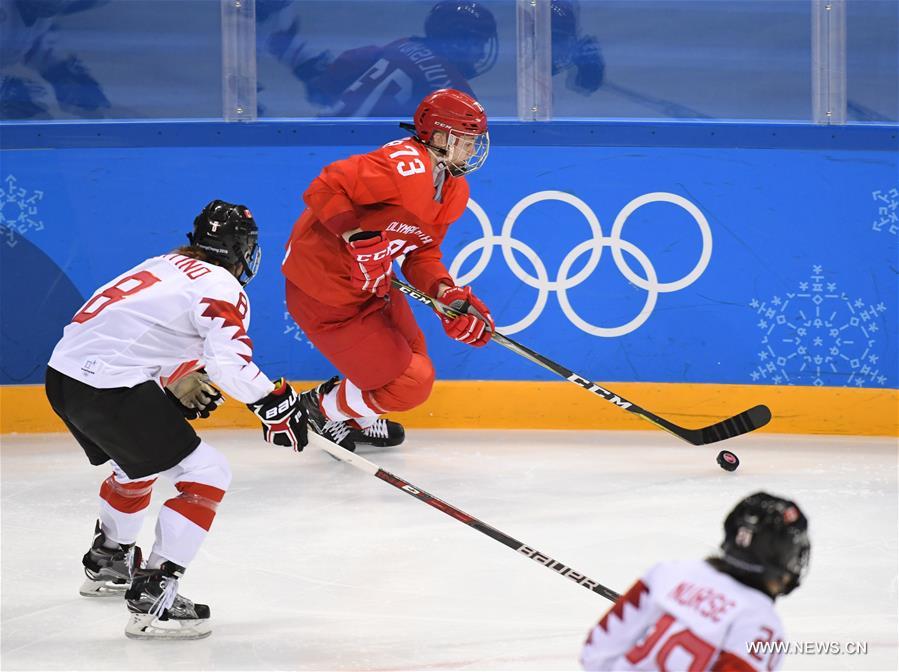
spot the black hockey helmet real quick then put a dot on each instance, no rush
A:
(766, 538)
(464, 31)
(228, 235)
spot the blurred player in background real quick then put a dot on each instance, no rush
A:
(124, 377)
(459, 44)
(28, 48)
(361, 213)
(576, 55)
(710, 614)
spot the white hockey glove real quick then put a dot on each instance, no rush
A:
(283, 417)
(194, 395)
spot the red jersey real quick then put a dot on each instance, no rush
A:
(391, 190)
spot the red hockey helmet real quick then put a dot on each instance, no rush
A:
(464, 122)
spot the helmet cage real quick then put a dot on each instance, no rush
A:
(250, 263)
(479, 144)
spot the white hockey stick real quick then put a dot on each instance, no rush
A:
(401, 484)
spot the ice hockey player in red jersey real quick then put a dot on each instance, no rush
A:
(716, 614)
(362, 213)
(137, 359)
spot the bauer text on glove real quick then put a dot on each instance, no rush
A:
(283, 417)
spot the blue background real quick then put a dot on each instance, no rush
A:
(786, 205)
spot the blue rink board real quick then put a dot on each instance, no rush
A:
(800, 284)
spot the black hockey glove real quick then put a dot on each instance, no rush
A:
(194, 395)
(283, 417)
(590, 67)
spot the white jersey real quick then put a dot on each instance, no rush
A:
(686, 615)
(159, 321)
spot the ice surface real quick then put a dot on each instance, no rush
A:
(312, 564)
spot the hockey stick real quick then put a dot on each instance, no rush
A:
(742, 423)
(401, 484)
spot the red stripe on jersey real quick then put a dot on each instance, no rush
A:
(181, 371)
(342, 404)
(728, 662)
(231, 316)
(197, 502)
(127, 497)
(632, 597)
(369, 399)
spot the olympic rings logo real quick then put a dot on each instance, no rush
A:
(562, 283)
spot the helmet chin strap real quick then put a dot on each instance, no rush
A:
(456, 171)
(441, 151)
(441, 160)
(439, 176)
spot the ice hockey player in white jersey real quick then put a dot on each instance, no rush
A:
(139, 358)
(714, 614)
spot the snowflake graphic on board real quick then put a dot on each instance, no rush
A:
(887, 218)
(819, 336)
(18, 210)
(291, 328)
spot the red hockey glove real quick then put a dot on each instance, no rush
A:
(283, 417)
(371, 251)
(475, 325)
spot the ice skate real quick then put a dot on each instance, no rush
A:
(382, 433)
(159, 612)
(108, 570)
(334, 430)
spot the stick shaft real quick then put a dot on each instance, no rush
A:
(744, 422)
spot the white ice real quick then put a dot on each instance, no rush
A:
(312, 564)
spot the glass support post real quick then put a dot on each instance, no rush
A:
(829, 61)
(534, 59)
(239, 60)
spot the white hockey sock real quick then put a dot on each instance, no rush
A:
(345, 402)
(329, 406)
(109, 544)
(123, 504)
(366, 421)
(202, 479)
(155, 561)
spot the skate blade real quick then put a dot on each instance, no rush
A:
(145, 626)
(106, 589)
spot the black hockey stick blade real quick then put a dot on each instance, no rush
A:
(742, 423)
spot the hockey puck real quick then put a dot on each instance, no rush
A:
(728, 461)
